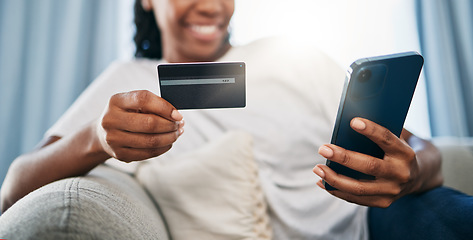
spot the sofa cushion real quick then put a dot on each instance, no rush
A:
(211, 193)
(105, 204)
(457, 162)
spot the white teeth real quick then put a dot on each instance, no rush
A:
(204, 29)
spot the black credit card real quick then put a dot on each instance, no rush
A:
(203, 85)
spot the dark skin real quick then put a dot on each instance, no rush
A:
(134, 125)
(410, 165)
(139, 125)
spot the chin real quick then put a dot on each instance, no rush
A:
(207, 52)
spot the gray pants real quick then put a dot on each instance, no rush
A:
(105, 204)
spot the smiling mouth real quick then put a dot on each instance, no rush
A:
(206, 33)
(205, 29)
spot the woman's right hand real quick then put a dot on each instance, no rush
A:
(138, 125)
(134, 126)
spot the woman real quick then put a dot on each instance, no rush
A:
(116, 119)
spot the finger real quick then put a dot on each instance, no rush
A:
(119, 139)
(371, 201)
(357, 161)
(406, 134)
(384, 138)
(359, 187)
(146, 102)
(139, 122)
(133, 154)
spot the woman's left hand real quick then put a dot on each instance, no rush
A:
(396, 175)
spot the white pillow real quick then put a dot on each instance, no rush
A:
(211, 193)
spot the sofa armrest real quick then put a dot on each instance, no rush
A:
(457, 162)
(105, 204)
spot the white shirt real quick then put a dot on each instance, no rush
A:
(292, 99)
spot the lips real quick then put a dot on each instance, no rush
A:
(209, 32)
(204, 29)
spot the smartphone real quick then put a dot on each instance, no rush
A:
(379, 89)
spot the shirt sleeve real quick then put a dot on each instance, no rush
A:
(118, 77)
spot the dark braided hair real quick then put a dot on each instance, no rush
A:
(147, 37)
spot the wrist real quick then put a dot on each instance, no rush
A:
(430, 175)
(95, 148)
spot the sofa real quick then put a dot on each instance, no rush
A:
(209, 193)
(111, 204)
(457, 162)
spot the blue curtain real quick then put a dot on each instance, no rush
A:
(446, 36)
(50, 50)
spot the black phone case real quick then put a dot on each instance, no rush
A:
(379, 89)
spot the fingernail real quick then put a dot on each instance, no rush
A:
(325, 151)
(322, 183)
(317, 170)
(358, 124)
(182, 123)
(181, 131)
(176, 115)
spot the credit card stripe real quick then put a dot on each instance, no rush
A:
(197, 81)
